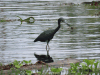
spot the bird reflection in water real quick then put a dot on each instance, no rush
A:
(44, 58)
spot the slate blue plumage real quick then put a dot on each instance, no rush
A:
(47, 35)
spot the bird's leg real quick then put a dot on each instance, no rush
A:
(47, 52)
(46, 47)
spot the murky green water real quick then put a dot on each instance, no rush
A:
(16, 39)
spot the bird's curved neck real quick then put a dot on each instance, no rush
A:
(57, 27)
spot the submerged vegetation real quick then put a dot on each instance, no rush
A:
(28, 20)
(86, 67)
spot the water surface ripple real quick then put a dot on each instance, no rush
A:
(16, 39)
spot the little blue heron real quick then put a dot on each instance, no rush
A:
(47, 35)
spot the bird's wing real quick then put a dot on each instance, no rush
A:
(44, 36)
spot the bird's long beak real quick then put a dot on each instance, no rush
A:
(68, 25)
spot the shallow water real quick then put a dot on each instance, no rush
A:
(16, 39)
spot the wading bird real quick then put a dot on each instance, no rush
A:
(47, 35)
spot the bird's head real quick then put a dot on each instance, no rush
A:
(63, 20)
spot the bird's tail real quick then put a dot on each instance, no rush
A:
(35, 40)
(36, 55)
